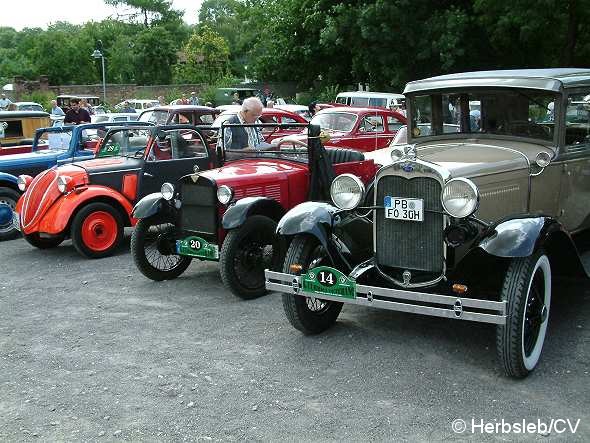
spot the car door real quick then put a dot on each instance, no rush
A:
(575, 179)
(172, 154)
(371, 133)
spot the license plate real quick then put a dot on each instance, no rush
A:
(197, 247)
(324, 280)
(407, 209)
(16, 220)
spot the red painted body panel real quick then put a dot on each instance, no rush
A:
(20, 149)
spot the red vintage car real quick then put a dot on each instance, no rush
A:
(229, 214)
(91, 201)
(363, 129)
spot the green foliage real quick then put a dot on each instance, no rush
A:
(43, 98)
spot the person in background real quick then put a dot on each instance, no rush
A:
(127, 108)
(209, 104)
(76, 114)
(183, 100)
(11, 107)
(161, 100)
(4, 102)
(270, 104)
(194, 100)
(245, 137)
(56, 110)
(84, 104)
(313, 108)
(236, 99)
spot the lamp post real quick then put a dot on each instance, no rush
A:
(98, 55)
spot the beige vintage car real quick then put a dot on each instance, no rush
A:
(472, 220)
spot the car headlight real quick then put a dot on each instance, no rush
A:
(224, 194)
(64, 184)
(23, 182)
(460, 197)
(347, 191)
(167, 191)
(397, 153)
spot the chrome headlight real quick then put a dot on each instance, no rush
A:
(167, 191)
(64, 183)
(224, 194)
(23, 182)
(347, 191)
(460, 197)
(397, 153)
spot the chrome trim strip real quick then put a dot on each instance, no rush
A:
(453, 307)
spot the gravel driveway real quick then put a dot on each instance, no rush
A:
(92, 350)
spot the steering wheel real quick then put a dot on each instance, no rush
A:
(524, 127)
(294, 142)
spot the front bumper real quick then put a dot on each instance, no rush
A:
(414, 302)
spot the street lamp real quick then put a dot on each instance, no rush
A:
(97, 54)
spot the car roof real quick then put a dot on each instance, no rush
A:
(77, 96)
(27, 103)
(552, 79)
(204, 109)
(370, 94)
(355, 110)
(22, 114)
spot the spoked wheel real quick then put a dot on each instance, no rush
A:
(308, 314)
(152, 252)
(97, 230)
(8, 199)
(527, 289)
(246, 252)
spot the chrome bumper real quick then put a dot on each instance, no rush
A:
(471, 309)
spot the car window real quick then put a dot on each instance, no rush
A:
(577, 119)
(183, 118)
(359, 101)
(124, 142)
(341, 100)
(393, 123)
(120, 119)
(381, 102)
(288, 120)
(371, 123)
(101, 118)
(178, 144)
(335, 121)
(157, 117)
(268, 119)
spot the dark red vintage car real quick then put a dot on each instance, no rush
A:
(229, 214)
(362, 129)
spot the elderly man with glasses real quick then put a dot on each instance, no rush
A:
(245, 137)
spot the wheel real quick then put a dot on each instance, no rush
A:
(149, 256)
(246, 252)
(527, 289)
(43, 243)
(97, 230)
(307, 314)
(8, 199)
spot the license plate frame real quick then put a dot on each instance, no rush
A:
(197, 247)
(404, 209)
(324, 280)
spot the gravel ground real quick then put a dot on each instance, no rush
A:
(92, 350)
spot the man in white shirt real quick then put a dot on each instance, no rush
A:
(4, 102)
(246, 137)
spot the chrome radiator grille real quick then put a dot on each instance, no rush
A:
(408, 244)
(199, 208)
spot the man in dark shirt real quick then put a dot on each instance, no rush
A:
(76, 114)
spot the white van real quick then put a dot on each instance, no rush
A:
(364, 98)
(138, 104)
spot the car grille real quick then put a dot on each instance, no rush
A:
(199, 207)
(41, 194)
(407, 244)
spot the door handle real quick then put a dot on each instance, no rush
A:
(147, 174)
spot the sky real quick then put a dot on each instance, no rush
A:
(19, 14)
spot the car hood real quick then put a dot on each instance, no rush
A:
(108, 164)
(44, 156)
(253, 171)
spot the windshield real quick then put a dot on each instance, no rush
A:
(124, 142)
(507, 112)
(335, 121)
(159, 117)
(54, 140)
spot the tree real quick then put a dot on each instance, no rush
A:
(155, 54)
(149, 11)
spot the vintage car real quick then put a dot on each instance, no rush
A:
(179, 114)
(51, 147)
(64, 101)
(269, 115)
(229, 214)
(363, 129)
(17, 130)
(470, 225)
(91, 201)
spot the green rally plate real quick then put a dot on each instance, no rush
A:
(324, 280)
(197, 247)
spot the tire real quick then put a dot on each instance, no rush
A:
(97, 230)
(8, 197)
(527, 289)
(246, 252)
(310, 316)
(43, 243)
(150, 261)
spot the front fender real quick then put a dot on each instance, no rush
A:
(7, 178)
(149, 205)
(59, 215)
(236, 214)
(517, 237)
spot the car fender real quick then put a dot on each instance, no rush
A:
(149, 205)
(238, 213)
(8, 180)
(523, 236)
(59, 215)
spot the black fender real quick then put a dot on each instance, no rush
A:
(237, 213)
(149, 205)
(316, 219)
(523, 236)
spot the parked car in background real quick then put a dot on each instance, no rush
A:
(114, 117)
(472, 225)
(138, 104)
(363, 129)
(229, 213)
(17, 130)
(269, 115)
(29, 106)
(179, 114)
(303, 111)
(50, 147)
(63, 101)
(225, 96)
(363, 99)
(91, 201)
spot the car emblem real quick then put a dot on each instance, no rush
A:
(407, 167)
(196, 168)
(407, 276)
(458, 308)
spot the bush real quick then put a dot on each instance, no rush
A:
(43, 98)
